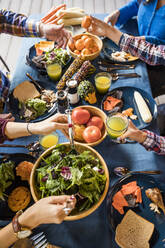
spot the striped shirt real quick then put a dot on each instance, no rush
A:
(154, 143)
(149, 53)
(17, 24)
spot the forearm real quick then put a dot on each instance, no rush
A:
(149, 53)
(17, 24)
(114, 34)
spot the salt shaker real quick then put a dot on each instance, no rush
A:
(72, 91)
(62, 101)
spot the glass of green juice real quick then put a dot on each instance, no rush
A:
(103, 82)
(54, 71)
(116, 125)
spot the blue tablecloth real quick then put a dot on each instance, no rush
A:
(93, 231)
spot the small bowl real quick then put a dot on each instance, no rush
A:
(80, 148)
(92, 55)
(94, 111)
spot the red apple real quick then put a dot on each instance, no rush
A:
(80, 116)
(95, 121)
(91, 134)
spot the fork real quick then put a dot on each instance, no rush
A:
(109, 69)
(39, 240)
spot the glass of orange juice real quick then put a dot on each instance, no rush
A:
(103, 82)
(116, 125)
(47, 141)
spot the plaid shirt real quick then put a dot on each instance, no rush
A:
(149, 53)
(154, 143)
(17, 24)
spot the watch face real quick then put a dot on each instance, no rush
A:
(24, 233)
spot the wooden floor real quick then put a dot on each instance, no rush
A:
(10, 45)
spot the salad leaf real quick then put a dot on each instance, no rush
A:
(57, 55)
(62, 173)
(6, 177)
(38, 105)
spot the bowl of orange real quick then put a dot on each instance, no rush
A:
(86, 44)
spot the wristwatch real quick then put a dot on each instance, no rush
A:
(21, 232)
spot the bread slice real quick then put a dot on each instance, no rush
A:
(134, 231)
(25, 91)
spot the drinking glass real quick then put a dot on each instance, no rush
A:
(103, 82)
(47, 141)
(116, 125)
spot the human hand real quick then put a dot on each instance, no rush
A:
(7, 116)
(57, 121)
(98, 27)
(50, 30)
(113, 17)
(134, 133)
(47, 210)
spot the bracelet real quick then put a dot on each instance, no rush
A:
(27, 127)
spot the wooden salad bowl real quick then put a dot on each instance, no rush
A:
(80, 148)
(91, 56)
(94, 111)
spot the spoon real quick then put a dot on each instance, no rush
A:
(71, 139)
(122, 171)
(115, 76)
(35, 83)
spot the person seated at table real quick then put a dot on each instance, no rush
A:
(150, 18)
(19, 25)
(48, 210)
(150, 53)
(150, 140)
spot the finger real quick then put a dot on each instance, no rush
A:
(61, 125)
(6, 116)
(65, 43)
(59, 199)
(11, 119)
(65, 133)
(53, 12)
(60, 44)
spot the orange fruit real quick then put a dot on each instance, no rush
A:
(71, 44)
(88, 43)
(79, 44)
(86, 22)
(94, 49)
(77, 52)
(84, 37)
(85, 51)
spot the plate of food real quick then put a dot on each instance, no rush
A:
(44, 53)
(31, 102)
(113, 52)
(133, 102)
(15, 193)
(136, 211)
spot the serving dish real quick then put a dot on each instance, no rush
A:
(30, 56)
(143, 209)
(80, 148)
(129, 102)
(94, 111)
(5, 212)
(13, 104)
(110, 47)
(91, 56)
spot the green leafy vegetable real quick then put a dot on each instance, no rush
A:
(65, 173)
(38, 105)
(6, 177)
(57, 55)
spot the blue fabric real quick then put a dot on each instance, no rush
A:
(151, 22)
(93, 231)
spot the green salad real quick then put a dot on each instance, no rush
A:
(57, 55)
(64, 173)
(38, 105)
(6, 177)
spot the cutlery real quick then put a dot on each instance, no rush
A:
(109, 69)
(31, 147)
(115, 76)
(103, 62)
(122, 171)
(35, 83)
(71, 139)
(39, 240)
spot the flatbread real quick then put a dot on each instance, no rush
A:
(25, 91)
